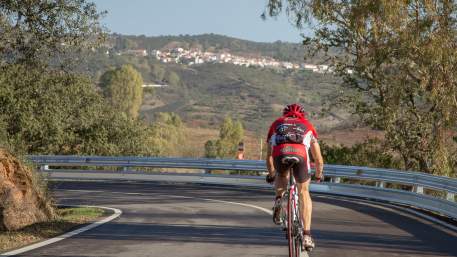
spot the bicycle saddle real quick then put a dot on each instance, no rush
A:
(290, 160)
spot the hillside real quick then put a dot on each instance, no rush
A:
(209, 92)
(282, 51)
(203, 94)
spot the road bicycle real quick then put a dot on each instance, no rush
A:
(290, 214)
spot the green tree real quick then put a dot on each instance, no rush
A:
(44, 110)
(369, 153)
(158, 72)
(123, 88)
(34, 31)
(211, 149)
(123, 43)
(403, 60)
(231, 133)
(167, 134)
(51, 112)
(172, 78)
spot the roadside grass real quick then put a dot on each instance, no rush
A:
(68, 218)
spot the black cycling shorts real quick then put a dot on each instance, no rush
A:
(300, 170)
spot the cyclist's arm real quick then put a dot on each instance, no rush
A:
(269, 161)
(317, 156)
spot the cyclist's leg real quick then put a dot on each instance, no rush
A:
(306, 205)
(303, 180)
(281, 177)
(280, 187)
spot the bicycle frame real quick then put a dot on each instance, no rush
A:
(291, 218)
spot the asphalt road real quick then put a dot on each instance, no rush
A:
(165, 219)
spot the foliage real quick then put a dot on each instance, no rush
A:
(172, 78)
(44, 110)
(123, 43)
(123, 88)
(3, 134)
(370, 153)
(167, 134)
(404, 60)
(158, 72)
(231, 133)
(208, 92)
(211, 147)
(50, 112)
(33, 31)
(116, 134)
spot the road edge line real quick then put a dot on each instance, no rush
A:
(116, 214)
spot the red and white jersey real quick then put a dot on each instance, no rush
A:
(291, 135)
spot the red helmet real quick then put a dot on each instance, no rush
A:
(294, 110)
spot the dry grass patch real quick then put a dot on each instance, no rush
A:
(68, 218)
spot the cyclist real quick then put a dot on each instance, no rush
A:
(293, 135)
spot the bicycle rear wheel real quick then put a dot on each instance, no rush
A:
(290, 226)
(297, 247)
(298, 234)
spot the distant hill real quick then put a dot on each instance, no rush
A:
(203, 94)
(208, 92)
(282, 51)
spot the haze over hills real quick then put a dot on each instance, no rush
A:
(202, 94)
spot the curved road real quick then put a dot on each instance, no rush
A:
(164, 219)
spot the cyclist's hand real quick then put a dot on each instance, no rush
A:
(270, 178)
(319, 179)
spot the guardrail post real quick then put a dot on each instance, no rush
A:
(336, 180)
(44, 167)
(418, 189)
(380, 184)
(450, 196)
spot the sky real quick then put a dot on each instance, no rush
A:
(235, 18)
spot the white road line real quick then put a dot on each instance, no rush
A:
(270, 212)
(391, 207)
(116, 214)
(410, 211)
(179, 196)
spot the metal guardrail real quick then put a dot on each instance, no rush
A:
(418, 181)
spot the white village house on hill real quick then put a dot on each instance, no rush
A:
(196, 56)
